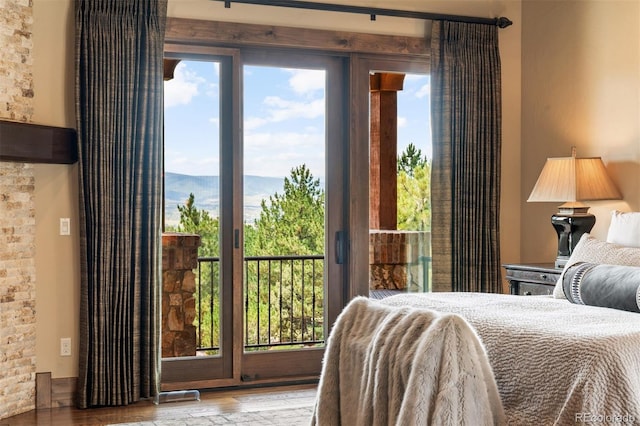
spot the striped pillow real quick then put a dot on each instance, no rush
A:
(592, 250)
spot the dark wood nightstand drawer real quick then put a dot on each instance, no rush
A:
(528, 289)
(532, 279)
(540, 277)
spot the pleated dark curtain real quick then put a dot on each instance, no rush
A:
(465, 175)
(119, 84)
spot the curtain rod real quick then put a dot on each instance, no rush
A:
(501, 22)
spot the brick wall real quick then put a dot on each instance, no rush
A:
(17, 219)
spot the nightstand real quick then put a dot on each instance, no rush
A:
(532, 278)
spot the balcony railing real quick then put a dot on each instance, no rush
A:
(283, 300)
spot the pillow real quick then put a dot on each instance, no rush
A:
(608, 286)
(624, 228)
(592, 250)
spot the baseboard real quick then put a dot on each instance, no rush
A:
(55, 393)
(43, 391)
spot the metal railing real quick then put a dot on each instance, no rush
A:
(283, 300)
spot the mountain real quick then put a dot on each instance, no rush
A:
(206, 191)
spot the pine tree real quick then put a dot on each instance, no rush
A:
(199, 221)
(414, 190)
(293, 222)
(290, 223)
(410, 160)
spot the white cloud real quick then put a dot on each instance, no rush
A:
(275, 154)
(424, 91)
(289, 141)
(180, 161)
(414, 77)
(282, 110)
(286, 110)
(205, 166)
(253, 123)
(402, 121)
(414, 80)
(305, 82)
(183, 87)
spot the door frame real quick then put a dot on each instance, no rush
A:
(234, 366)
(197, 37)
(222, 371)
(361, 65)
(267, 366)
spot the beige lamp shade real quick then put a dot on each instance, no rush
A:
(571, 180)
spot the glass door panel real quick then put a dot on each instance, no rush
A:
(284, 211)
(194, 311)
(254, 164)
(400, 175)
(293, 207)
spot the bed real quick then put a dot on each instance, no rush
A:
(568, 358)
(573, 357)
(554, 362)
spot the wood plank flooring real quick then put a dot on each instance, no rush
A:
(211, 402)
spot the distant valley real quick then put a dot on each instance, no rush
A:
(206, 190)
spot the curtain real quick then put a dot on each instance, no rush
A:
(119, 84)
(465, 180)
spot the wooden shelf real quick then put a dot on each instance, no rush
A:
(35, 143)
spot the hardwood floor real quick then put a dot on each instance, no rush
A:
(211, 402)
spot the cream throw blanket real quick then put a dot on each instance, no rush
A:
(387, 365)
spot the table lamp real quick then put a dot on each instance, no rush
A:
(572, 180)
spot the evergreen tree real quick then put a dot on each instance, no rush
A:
(293, 222)
(410, 160)
(290, 223)
(414, 190)
(197, 221)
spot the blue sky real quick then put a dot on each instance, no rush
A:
(283, 119)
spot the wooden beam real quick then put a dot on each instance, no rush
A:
(35, 143)
(386, 82)
(169, 67)
(193, 31)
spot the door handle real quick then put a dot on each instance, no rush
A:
(340, 247)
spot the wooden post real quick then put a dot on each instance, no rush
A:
(383, 173)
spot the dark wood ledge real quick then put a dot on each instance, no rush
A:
(35, 143)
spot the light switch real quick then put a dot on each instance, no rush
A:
(65, 226)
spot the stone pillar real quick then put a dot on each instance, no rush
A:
(179, 259)
(399, 260)
(383, 170)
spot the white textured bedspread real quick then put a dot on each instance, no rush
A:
(555, 363)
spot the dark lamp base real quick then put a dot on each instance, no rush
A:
(570, 227)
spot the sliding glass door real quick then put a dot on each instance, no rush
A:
(254, 164)
(293, 208)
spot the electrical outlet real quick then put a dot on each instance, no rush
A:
(65, 346)
(65, 226)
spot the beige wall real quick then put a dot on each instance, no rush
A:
(581, 86)
(56, 192)
(57, 258)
